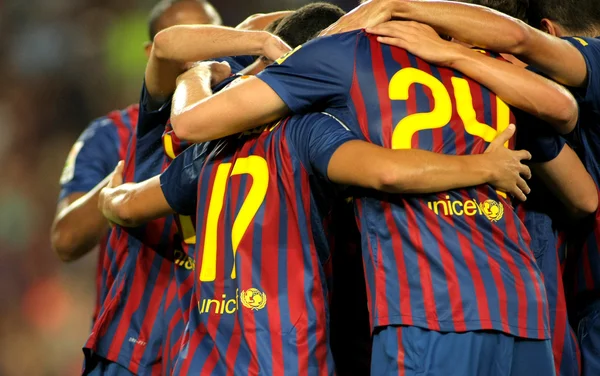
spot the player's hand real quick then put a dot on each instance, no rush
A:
(218, 71)
(419, 39)
(367, 15)
(274, 47)
(260, 21)
(508, 171)
(117, 176)
(105, 193)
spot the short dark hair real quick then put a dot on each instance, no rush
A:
(580, 17)
(273, 25)
(308, 21)
(513, 8)
(159, 10)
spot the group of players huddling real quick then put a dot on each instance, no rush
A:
(261, 163)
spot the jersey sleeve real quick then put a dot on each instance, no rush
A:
(149, 117)
(315, 138)
(590, 49)
(316, 75)
(537, 137)
(93, 157)
(179, 182)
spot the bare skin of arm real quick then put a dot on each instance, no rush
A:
(132, 204)
(260, 21)
(178, 45)
(355, 163)
(78, 226)
(518, 87)
(366, 165)
(568, 180)
(478, 26)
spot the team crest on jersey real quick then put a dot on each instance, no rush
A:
(493, 210)
(253, 299)
(69, 169)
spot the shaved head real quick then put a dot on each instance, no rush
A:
(169, 13)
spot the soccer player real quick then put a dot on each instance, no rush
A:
(78, 227)
(258, 312)
(141, 263)
(571, 61)
(355, 86)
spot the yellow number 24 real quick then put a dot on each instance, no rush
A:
(254, 166)
(442, 108)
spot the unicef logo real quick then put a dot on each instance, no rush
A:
(253, 299)
(493, 210)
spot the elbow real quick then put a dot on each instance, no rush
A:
(184, 129)
(585, 207)
(389, 180)
(159, 43)
(63, 241)
(567, 114)
(520, 38)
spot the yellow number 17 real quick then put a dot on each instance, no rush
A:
(254, 166)
(442, 108)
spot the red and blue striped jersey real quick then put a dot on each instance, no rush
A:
(131, 327)
(585, 243)
(547, 244)
(454, 261)
(179, 294)
(93, 157)
(260, 300)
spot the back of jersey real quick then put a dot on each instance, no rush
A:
(454, 261)
(262, 252)
(461, 256)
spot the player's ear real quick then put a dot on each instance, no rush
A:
(148, 49)
(549, 27)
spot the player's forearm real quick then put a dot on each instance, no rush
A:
(554, 57)
(520, 88)
(189, 92)
(416, 171)
(406, 171)
(190, 43)
(78, 226)
(566, 177)
(473, 24)
(133, 204)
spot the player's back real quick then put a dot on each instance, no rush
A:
(131, 328)
(262, 256)
(462, 256)
(454, 261)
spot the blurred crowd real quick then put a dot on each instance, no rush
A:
(64, 62)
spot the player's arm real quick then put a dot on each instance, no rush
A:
(78, 226)
(568, 180)
(366, 165)
(132, 204)
(178, 45)
(287, 86)
(487, 28)
(328, 148)
(518, 87)
(261, 21)
(174, 191)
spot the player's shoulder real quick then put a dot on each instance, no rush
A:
(125, 118)
(326, 47)
(589, 47)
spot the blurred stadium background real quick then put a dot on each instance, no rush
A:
(63, 63)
